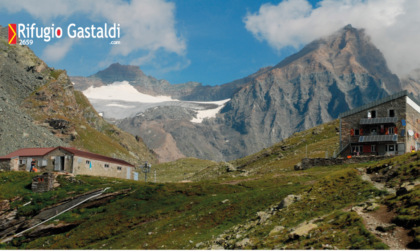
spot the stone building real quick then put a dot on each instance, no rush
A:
(68, 160)
(390, 126)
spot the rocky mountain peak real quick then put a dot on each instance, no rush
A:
(347, 51)
(118, 72)
(348, 27)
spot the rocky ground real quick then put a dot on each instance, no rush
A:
(21, 131)
(237, 237)
(21, 72)
(378, 218)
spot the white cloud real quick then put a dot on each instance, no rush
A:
(393, 25)
(144, 59)
(57, 51)
(177, 66)
(146, 25)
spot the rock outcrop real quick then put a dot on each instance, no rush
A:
(39, 107)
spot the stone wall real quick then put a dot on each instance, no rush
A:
(86, 166)
(307, 163)
(43, 182)
(4, 165)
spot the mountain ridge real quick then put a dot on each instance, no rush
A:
(328, 76)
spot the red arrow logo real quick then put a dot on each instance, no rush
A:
(12, 34)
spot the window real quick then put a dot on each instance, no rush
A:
(87, 162)
(391, 113)
(106, 165)
(22, 161)
(356, 132)
(373, 148)
(42, 163)
(390, 147)
(391, 130)
(373, 113)
(119, 168)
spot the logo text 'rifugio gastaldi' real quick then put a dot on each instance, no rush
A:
(28, 32)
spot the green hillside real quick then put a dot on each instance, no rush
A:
(233, 206)
(320, 141)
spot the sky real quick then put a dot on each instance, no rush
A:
(211, 41)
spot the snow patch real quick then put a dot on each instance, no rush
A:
(209, 113)
(123, 91)
(119, 105)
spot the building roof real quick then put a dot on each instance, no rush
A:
(29, 152)
(95, 156)
(39, 152)
(379, 102)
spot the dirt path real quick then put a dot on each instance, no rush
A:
(378, 220)
(379, 223)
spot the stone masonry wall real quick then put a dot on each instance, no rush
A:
(50, 160)
(382, 110)
(43, 182)
(4, 165)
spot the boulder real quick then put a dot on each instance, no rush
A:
(225, 201)
(263, 216)
(4, 205)
(284, 147)
(288, 200)
(216, 247)
(407, 187)
(58, 123)
(276, 230)
(371, 207)
(298, 166)
(229, 167)
(242, 244)
(385, 228)
(302, 230)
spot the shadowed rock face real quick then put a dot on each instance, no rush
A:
(116, 72)
(328, 76)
